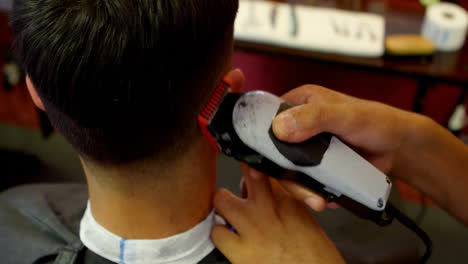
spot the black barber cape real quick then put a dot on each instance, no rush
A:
(40, 224)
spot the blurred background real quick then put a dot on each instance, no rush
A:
(275, 49)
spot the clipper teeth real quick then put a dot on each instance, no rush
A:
(215, 100)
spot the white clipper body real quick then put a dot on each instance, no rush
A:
(341, 170)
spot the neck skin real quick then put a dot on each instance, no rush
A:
(152, 200)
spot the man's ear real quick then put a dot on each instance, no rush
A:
(236, 79)
(32, 91)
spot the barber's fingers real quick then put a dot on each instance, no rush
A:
(305, 121)
(232, 208)
(254, 184)
(259, 189)
(312, 94)
(300, 123)
(238, 211)
(319, 109)
(236, 79)
(298, 192)
(243, 188)
(310, 198)
(225, 240)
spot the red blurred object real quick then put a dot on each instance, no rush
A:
(405, 5)
(16, 106)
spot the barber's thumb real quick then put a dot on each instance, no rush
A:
(311, 199)
(298, 123)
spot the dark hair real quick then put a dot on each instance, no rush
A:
(124, 79)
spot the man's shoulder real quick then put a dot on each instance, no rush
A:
(215, 257)
(40, 220)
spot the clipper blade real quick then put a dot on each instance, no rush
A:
(209, 111)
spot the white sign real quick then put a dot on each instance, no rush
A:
(311, 28)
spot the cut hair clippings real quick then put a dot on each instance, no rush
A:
(240, 126)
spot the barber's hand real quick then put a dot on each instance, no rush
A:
(315, 201)
(371, 128)
(272, 227)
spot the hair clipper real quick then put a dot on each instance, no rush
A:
(239, 125)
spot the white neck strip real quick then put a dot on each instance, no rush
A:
(184, 248)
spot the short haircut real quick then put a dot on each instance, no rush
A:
(123, 80)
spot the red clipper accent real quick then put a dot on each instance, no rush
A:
(204, 118)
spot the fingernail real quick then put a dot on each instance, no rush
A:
(311, 202)
(286, 125)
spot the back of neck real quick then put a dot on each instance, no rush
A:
(154, 201)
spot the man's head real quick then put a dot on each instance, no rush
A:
(123, 80)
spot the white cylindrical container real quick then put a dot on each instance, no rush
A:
(446, 25)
